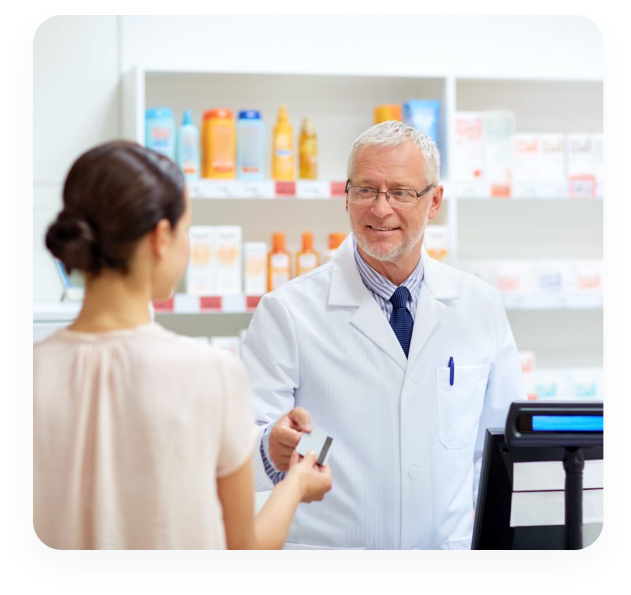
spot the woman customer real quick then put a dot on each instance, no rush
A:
(143, 438)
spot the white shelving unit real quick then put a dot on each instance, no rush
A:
(480, 227)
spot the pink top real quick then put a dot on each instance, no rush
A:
(131, 430)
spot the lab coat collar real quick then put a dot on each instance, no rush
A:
(348, 289)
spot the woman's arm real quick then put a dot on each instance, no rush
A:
(304, 482)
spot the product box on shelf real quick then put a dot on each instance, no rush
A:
(228, 261)
(539, 166)
(200, 274)
(499, 131)
(527, 362)
(584, 165)
(468, 153)
(436, 241)
(255, 268)
(424, 115)
(569, 383)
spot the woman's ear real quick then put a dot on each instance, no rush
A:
(161, 238)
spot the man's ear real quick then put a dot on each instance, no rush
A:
(437, 201)
(161, 237)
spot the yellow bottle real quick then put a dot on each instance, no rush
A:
(278, 263)
(307, 259)
(308, 151)
(283, 148)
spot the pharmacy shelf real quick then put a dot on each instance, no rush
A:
(206, 189)
(536, 221)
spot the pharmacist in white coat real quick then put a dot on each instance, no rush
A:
(403, 360)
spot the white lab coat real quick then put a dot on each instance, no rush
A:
(407, 445)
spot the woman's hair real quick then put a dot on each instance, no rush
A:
(114, 194)
(392, 133)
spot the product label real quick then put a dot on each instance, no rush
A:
(279, 264)
(306, 263)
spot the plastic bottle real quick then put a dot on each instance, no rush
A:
(283, 148)
(160, 131)
(384, 113)
(278, 263)
(188, 147)
(307, 259)
(218, 144)
(250, 147)
(335, 240)
(308, 151)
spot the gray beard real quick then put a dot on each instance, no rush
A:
(397, 252)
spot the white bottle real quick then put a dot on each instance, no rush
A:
(188, 147)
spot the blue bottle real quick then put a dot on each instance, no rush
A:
(160, 131)
(187, 152)
(250, 145)
(424, 115)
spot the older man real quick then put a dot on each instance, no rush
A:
(403, 360)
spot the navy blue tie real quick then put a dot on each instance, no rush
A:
(401, 320)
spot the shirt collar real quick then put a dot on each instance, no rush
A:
(378, 284)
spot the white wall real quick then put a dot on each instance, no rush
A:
(527, 47)
(76, 104)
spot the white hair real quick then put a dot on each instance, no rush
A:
(392, 133)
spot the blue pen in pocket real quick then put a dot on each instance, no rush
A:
(451, 371)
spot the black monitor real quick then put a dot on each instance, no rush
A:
(492, 528)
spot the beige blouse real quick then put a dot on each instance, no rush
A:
(131, 430)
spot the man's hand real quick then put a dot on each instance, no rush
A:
(285, 436)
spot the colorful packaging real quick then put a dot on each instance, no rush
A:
(228, 261)
(188, 147)
(250, 145)
(255, 259)
(582, 164)
(200, 274)
(468, 159)
(436, 241)
(283, 148)
(527, 362)
(218, 144)
(278, 263)
(540, 169)
(308, 151)
(307, 259)
(424, 115)
(499, 131)
(160, 131)
(385, 113)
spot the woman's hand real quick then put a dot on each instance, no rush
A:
(314, 480)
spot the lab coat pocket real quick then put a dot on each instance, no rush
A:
(460, 405)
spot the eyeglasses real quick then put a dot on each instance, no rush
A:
(398, 197)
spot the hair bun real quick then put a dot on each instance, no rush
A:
(72, 240)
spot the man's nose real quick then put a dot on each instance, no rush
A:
(381, 207)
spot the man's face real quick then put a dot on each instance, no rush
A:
(383, 232)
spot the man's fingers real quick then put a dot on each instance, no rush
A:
(301, 418)
(288, 437)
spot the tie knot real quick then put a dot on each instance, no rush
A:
(400, 297)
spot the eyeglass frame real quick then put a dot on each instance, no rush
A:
(418, 194)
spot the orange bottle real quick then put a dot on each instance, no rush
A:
(384, 113)
(307, 259)
(335, 240)
(278, 263)
(219, 144)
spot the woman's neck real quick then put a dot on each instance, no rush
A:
(113, 302)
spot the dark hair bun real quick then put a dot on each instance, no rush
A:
(71, 239)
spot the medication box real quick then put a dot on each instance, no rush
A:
(228, 268)
(200, 275)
